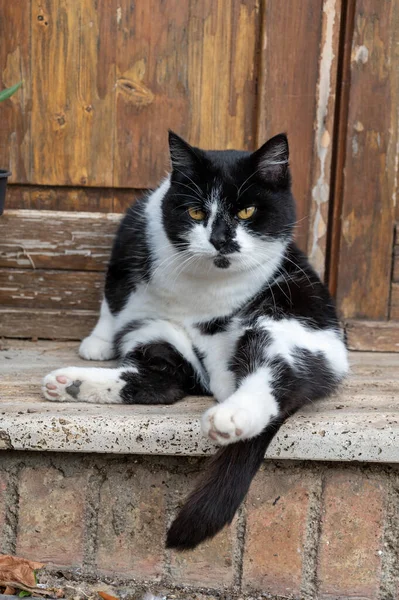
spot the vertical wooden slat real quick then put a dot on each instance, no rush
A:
(222, 69)
(324, 134)
(189, 66)
(365, 253)
(287, 89)
(339, 150)
(73, 109)
(15, 130)
(151, 92)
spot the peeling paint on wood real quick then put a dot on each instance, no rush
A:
(323, 131)
(51, 289)
(56, 240)
(297, 90)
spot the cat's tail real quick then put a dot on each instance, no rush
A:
(219, 493)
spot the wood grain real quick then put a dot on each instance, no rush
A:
(56, 240)
(50, 289)
(395, 273)
(28, 323)
(73, 113)
(222, 53)
(296, 95)
(188, 66)
(376, 336)
(82, 199)
(365, 254)
(394, 314)
(15, 121)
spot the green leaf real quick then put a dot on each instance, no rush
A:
(4, 94)
(23, 594)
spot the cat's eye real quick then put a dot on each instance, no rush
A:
(196, 214)
(246, 213)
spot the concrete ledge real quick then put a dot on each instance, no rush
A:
(360, 424)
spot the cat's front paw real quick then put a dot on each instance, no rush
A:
(95, 348)
(226, 424)
(62, 385)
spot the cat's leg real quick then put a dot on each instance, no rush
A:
(279, 367)
(159, 367)
(99, 345)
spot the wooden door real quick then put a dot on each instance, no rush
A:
(103, 81)
(364, 268)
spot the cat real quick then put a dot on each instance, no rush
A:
(206, 293)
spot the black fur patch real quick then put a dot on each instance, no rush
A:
(74, 389)
(133, 325)
(249, 352)
(130, 262)
(163, 377)
(298, 294)
(214, 326)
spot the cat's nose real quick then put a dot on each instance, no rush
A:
(218, 240)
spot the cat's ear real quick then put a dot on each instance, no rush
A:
(182, 155)
(271, 160)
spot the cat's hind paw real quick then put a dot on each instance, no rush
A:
(227, 424)
(95, 348)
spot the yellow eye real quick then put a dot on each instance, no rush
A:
(246, 213)
(196, 214)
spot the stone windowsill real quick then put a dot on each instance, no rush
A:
(360, 424)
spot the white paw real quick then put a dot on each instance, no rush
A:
(95, 348)
(62, 385)
(226, 423)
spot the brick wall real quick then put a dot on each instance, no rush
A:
(307, 530)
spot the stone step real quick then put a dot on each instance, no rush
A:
(361, 423)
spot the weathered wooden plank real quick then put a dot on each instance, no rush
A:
(376, 336)
(56, 240)
(51, 289)
(90, 199)
(28, 323)
(296, 95)
(340, 135)
(190, 68)
(319, 202)
(394, 313)
(15, 124)
(73, 113)
(365, 254)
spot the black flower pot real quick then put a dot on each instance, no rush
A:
(4, 175)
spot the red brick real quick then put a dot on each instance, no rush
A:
(349, 559)
(131, 530)
(3, 487)
(277, 508)
(209, 565)
(51, 516)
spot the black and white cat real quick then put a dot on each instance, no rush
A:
(207, 294)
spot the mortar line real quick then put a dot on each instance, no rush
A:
(389, 581)
(309, 586)
(91, 512)
(10, 529)
(239, 546)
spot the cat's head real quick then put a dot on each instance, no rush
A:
(230, 208)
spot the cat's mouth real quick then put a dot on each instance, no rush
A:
(221, 262)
